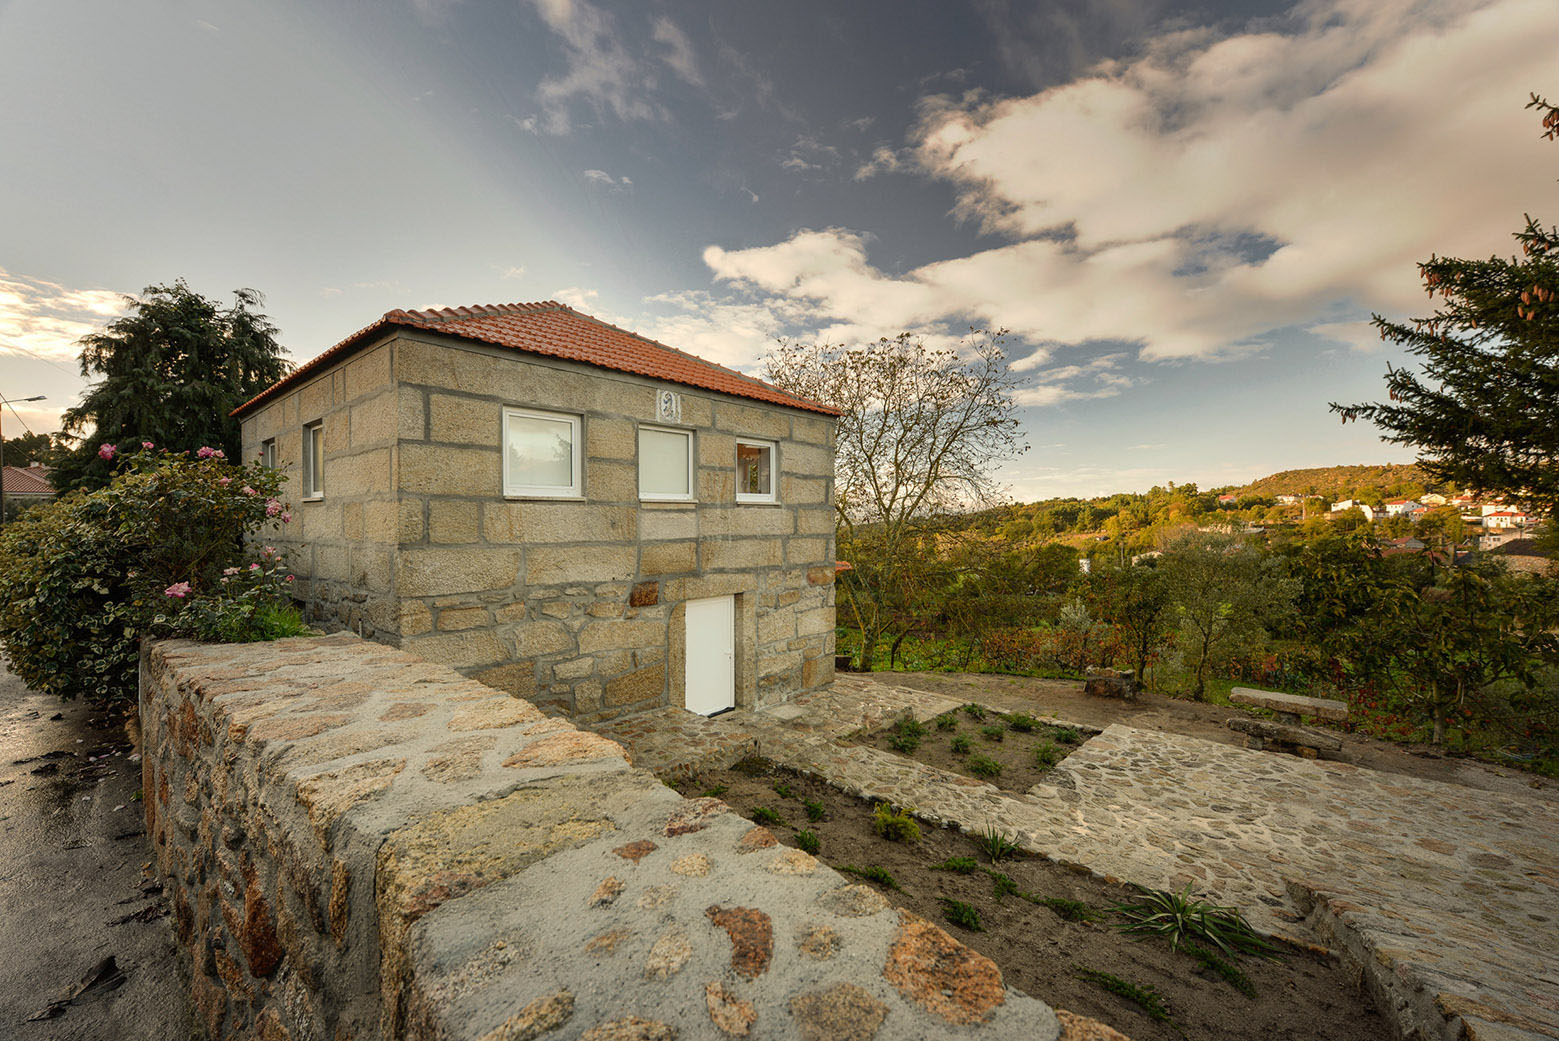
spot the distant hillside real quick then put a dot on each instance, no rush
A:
(1341, 482)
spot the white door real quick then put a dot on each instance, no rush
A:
(711, 655)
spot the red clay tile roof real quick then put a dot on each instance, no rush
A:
(28, 480)
(557, 331)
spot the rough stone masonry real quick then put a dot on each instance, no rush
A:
(360, 844)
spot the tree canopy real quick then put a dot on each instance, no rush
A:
(169, 372)
(920, 432)
(1484, 412)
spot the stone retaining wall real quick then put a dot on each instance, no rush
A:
(359, 844)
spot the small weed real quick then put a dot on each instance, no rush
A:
(1177, 918)
(1046, 755)
(872, 873)
(783, 790)
(902, 742)
(974, 711)
(807, 842)
(1071, 910)
(1143, 995)
(1067, 736)
(962, 915)
(715, 792)
(908, 724)
(946, 721)
(993, 733)
(815, 810)
(1232, 974)
(1022, 722)
(1002, 885)
(960, 865)
(996, 845)
(983, 766)
(959, 745)
(767, 817)
(895, 825)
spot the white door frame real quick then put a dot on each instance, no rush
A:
(709, 657)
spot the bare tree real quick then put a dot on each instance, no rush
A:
(921, 431)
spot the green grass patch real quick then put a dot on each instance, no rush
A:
(895, 825)
(962, 915)
(982, 766)
(768, 817)
(872, 873)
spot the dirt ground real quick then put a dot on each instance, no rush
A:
(992, 738)
(1065, 699)
(1298, 996)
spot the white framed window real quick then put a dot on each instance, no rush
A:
(665, 464)
(541, 454)
(268, 453)
(755, 470)
(314, 461)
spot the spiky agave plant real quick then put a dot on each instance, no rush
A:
(1178, 917)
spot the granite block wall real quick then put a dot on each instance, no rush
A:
(359, 844)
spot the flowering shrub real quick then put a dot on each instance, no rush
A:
(158, 551)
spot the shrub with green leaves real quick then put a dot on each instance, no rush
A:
(974, 711)
(816, 811)
(996, 844)
(958, 865)
(1144, 996)
(993, 733)
(895, 825)
(1177, 917)
(946, 721)
(902, 742)
(1067, 736)
(781, 789)
(158, 551)
(808, 842)
(982, 765)
(1046, 755)
(872, 873)
(768, 817)
(959, 745)
(962, 915)
(1002, 885)
(1022, 722)
(1071, 910)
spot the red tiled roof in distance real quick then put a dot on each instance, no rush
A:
(556, 331)
(28, 480)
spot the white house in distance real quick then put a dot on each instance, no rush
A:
(1401, 507)
(1497, 519)
(1354, 504)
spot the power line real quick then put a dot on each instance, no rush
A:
(38, 357)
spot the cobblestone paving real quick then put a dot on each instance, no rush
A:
(1449, 895)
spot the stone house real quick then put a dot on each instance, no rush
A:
(560, 508)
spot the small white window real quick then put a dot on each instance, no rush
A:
(755, 471)
(665, 464)
(314, 461)
(268, 453)
(541, 454)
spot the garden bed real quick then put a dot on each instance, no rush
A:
(1012, 751)
(1048, 949)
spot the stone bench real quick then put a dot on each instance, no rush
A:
(1259, 732)
(1289, 707)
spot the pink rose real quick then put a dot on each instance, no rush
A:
(224, 481)
(148, 445)
(272, 508)
(254, 567)
(230, 571)
(289, 578)
(286, 517)
(249, 491)
(178, 589)
(218, 454)
(204, 452)
(107, 451)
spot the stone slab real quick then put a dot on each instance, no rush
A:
(1290, 704)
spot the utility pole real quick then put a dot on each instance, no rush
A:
(3, 403)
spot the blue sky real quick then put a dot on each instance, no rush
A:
(1183, 214)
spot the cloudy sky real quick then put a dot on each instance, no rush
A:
(1183, 214)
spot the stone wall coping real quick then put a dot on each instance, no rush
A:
(360, 843)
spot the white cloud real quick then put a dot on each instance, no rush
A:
(679, 51)
(45, 319)
(602, 179)
(883, 160)
(603, 75)
(1215, 188)
(1361, 336)
(507, 271)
